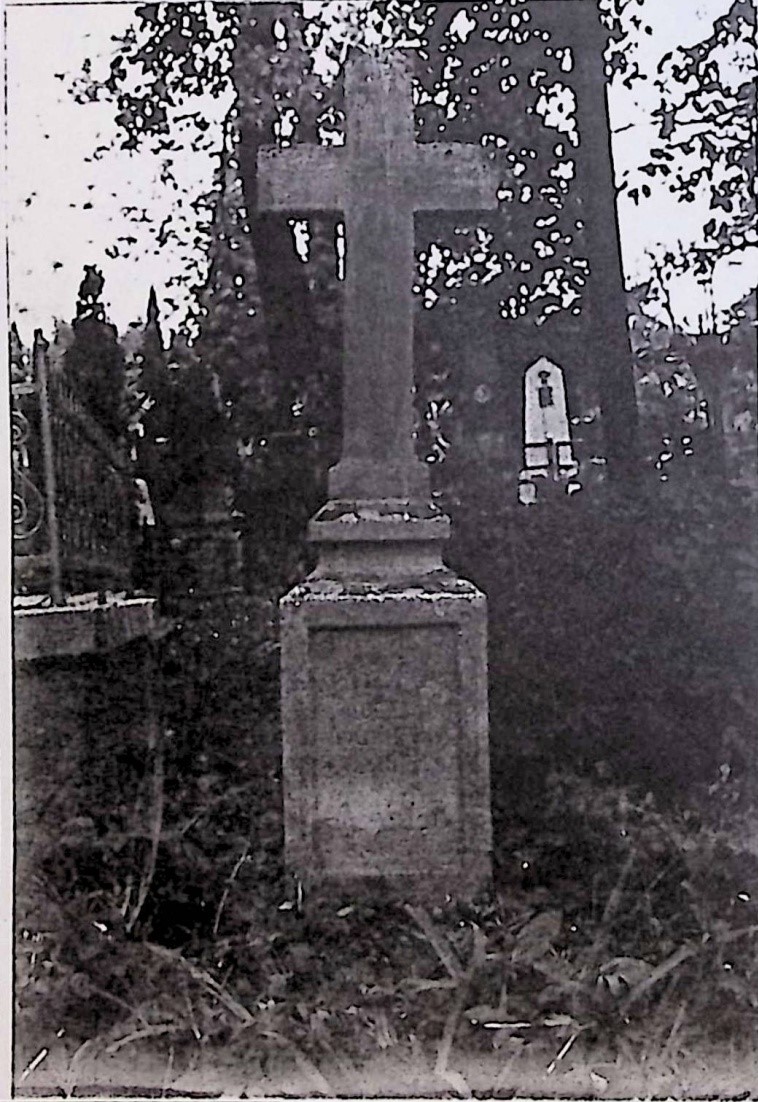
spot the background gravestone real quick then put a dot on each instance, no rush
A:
(547, 433)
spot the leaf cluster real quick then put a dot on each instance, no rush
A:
(707, 131)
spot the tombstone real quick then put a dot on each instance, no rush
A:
(384, 679)
(547, 432)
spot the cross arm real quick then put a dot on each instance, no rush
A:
(301, 177)
(455, 177)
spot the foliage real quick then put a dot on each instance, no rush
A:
(460, 90)
(628, 621)
(89, 894)
(539, 264)
(279, 382)
(229, 335)
(184, 449)
(623, 20)
(707, 92)
(672, 422)
(273, 71)
(94, 359)
(620, 928)
(707, 133)
(624, 918)
(695, 391)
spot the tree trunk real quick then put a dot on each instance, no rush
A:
(708, 366)
(608, 329)
(289, 316)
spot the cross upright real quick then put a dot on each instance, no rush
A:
(379, 180)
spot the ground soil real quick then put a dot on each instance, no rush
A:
(214, 1074)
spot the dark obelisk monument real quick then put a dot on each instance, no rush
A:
(384, 681)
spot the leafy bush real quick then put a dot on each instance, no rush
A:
(138, 844)
(622, 628)
(624, 916)
(616, 926)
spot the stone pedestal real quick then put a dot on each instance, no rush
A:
(205, 560)
(384, 705)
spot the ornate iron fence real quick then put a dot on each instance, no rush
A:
(73, 490)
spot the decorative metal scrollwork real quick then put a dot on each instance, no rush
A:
(59, 449)
(28, 502)
(19, 436)
(28, 506)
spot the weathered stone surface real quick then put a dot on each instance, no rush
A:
(384, 684)
(386, 760)
(389, 539)
(379, 179)
(81, 628)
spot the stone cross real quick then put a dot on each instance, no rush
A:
(379, 179)
(383, 672)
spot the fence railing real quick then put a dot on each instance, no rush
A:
(73, 490)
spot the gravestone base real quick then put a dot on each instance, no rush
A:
(384, 708)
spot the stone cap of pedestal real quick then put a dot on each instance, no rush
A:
(442, 587)
(386, 521)
(84, 626)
